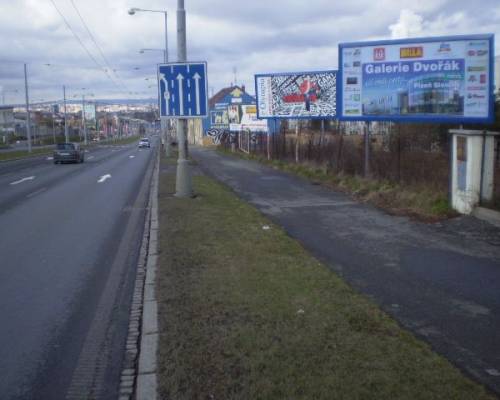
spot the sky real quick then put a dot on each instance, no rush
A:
(237, 38)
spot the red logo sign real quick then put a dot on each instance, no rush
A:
(379, 53)
(411, 52)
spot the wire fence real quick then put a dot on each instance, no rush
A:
(403, 154)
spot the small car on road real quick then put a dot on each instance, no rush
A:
(68, 152)
(144, 142)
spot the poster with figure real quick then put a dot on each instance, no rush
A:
(445, 79)
(307, 95)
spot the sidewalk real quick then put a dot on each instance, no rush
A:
(441, 281)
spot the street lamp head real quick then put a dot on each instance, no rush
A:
(132, 11)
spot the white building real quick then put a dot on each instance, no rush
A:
(6, 116)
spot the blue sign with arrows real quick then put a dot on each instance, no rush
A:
(182, 89)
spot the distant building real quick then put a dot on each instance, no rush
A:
(7, 121)
(225, 107)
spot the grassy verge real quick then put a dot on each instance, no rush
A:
(14, 155)
(417, 201)
(247, 313)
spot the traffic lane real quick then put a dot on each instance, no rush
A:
(17, 186)
(51, 248)
(13, 166)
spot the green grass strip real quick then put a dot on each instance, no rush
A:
(247, 313)
(14, 155)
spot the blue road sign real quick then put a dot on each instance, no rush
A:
(182, 89)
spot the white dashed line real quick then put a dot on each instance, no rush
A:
(35, 193)
(29, 178)
(104, 178)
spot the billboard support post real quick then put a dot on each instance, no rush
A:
(367, 149)
(268, 146)
(297, 137)
(322, 134)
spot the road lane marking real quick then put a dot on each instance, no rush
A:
(131, 156)
(35, 193)
(29, 178)
(104, 178)
(50, 158)
(90, 157)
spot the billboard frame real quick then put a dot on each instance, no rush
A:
(271, 74)
(409, 119)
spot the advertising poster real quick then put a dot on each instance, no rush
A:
(297, 95)
(419, 79)
(219, 117)
(249, 121)
(89, 110)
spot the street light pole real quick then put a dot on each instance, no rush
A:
(66, 135)
(83, 120)
(163, 123)
(183, 184)
(28, 118)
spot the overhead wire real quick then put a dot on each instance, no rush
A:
(108, 64)
(68, 25)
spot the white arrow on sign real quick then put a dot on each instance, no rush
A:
(29, 178)
(180, 78)
(103, 178)
(197, 78)
(166, 95)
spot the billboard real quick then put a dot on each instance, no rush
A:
(446, 79)
(308, 95)
(248, 121)
(89, 109)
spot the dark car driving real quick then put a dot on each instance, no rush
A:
(68, 152)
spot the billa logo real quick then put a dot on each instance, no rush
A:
(411, 52)
(379, 54)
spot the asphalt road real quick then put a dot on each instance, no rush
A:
(69, 244)
(441, 281)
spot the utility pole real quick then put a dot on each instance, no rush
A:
(84, 122)
(183, 185)
(28, 118)
(53, 125)
(66, 135)
(166, 124)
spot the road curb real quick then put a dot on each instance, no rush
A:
(488, 215)
(138, 379)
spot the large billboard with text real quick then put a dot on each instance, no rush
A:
(448, 79)
(310, 95)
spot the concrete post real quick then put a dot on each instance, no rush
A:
(66, 134)
(165, 124)
(28, 117)
(84, 122)
(183, 182)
